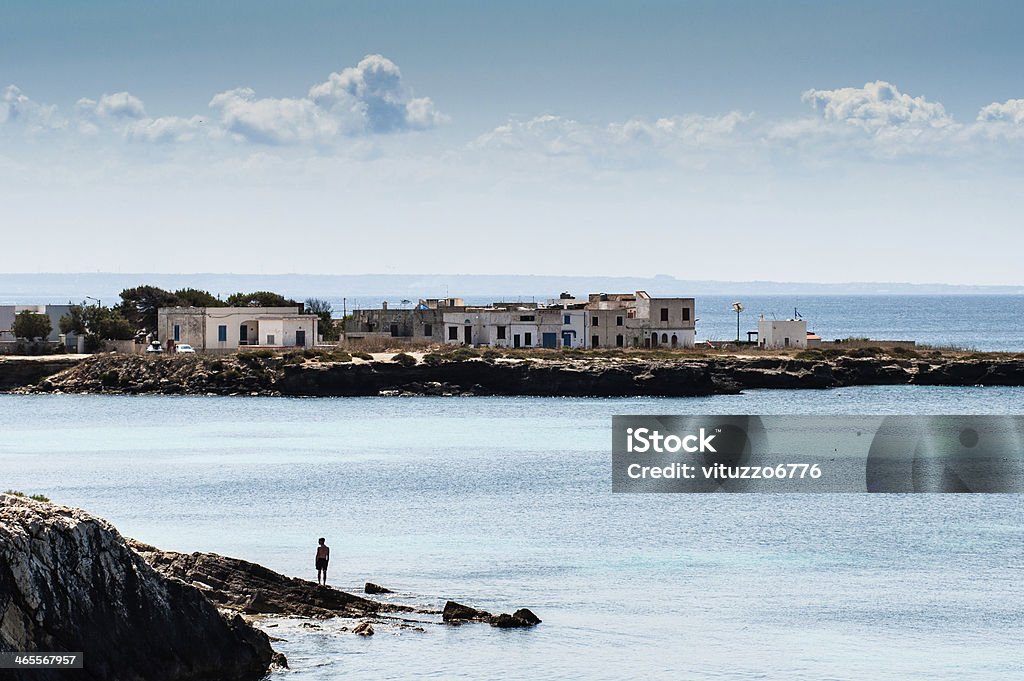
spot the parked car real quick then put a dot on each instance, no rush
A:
(155, 347)
(184, 347)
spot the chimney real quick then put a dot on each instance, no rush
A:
(384, 305)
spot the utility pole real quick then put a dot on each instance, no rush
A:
(737, 307)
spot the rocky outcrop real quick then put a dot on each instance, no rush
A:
(371, 588)
(255, 590)
(577, 375)
(518, 620)
(457, 612)
(69, 582)
(21, 371)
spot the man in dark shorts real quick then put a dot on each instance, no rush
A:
(323, 557)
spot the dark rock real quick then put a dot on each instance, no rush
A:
(371, 588)
(363, 629)
(70, 582)
(456, 612)
(16, 372)
(254, 589)
(627, 375)
(519, 619)
(279, 661)
(526, 615)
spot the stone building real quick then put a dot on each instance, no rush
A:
(230, 328)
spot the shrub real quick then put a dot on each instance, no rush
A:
(363, 356)
(462, 354)
(30, 325)
(34, 497)
(341, 356)
(110, 378)
(433, 359)
(217, 365)
(491, 353)
(404, 359)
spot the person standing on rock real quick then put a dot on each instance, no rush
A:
(323, 557)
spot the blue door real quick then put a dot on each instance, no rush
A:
(549, 340)
(566, 339)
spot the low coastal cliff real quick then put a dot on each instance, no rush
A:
(322, 374)
(70, 582)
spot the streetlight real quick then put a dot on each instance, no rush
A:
(98, 301)
(737, 308)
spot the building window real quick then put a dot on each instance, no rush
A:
(594, 341)
(222, 333)
(428, 330)
(528, 339)
(686, 314)
(619, 341)
(664, 338)
(501, 332)
(566, 319)
(453, 333)
(270, 339)
(177, 332)
(664, 314)
(593, 321)
(526, 318)
(618, 321)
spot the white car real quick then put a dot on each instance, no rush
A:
(184, 347)
(155, 347)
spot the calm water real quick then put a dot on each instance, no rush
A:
(505, 502)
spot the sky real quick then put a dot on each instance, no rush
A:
(787, 141)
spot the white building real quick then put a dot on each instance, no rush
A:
(601, 320)
(229, 328)
(781, 333)
(54, 312)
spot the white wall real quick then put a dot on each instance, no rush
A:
(782, 333)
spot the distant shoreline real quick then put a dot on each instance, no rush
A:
(466, 372)
(26, 288)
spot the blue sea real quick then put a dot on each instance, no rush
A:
(504, 503)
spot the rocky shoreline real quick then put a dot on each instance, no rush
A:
(324, 374)
(69, 582)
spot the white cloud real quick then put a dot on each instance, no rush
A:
(687, 139)
(121, 105)
(367, 99)
(165, 130)
(877, 106)
(272, 121)
(18, 109)
(373, 91)
(1010, 111)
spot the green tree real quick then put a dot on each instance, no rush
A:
(197, 298)
(96, 324)
(322, 309)
(111, 325)
(140, 305)
(31, 325)
(259, 299)
(73, 321)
